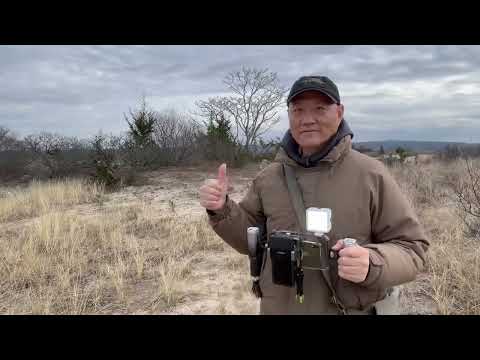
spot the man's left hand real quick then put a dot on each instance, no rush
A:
(353, 262)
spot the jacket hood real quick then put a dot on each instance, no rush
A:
(335, 147)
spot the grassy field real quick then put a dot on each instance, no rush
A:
(72, 248)
(68, 248)
(452, 278)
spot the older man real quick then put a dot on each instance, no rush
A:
(365, 201)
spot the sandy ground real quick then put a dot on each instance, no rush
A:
(219, 283)
(177, 189)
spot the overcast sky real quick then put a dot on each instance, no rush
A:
(389, 92)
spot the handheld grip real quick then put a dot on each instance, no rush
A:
(252, 237)
(253, 234)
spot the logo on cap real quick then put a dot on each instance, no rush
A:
(314, 81)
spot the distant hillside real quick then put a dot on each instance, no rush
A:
(391, 145)
(416, 146)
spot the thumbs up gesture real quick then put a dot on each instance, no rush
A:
(213, 192)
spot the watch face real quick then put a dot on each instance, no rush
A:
(319, 220)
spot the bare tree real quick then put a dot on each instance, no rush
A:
(175, 134)
(254, 106)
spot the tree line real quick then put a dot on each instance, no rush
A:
(223, 128)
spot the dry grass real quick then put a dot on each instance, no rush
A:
(40, 198)
(455, 273)
(453, 269)
(424, 185)
(139, 258)
(62, 262)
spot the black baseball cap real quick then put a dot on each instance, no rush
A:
(317, 83)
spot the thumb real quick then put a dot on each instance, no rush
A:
(222, 174)
(338, 245)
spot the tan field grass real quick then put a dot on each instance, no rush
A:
(40, 198)
(63, 262)
(141, 258)
(453, 265)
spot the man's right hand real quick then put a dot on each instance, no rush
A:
(213, 192)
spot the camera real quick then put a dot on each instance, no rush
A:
(291, 252)
(284, 251)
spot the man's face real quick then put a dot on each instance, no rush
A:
(314, 119)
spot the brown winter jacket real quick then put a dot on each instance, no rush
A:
(366, 204)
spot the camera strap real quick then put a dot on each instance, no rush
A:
(299, 206)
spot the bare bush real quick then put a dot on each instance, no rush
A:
(13, 159)
(266, 150)
(175, 134)
(424, 185)
(467, 192)
(40, 156)
(105, 154)
(140, 158)
(8, 140)
(50, 150)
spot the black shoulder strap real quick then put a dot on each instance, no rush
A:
(299, 206)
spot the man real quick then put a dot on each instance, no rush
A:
(365, 201)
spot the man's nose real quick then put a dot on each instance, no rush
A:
(307, 119)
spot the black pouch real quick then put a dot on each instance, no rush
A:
(281, 250)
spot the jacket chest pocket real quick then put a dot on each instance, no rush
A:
(351, 221)
(279, 211)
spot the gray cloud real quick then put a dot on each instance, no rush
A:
(410, 92)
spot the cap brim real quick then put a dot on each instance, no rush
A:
(312, 89)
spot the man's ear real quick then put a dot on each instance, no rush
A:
(340, 111)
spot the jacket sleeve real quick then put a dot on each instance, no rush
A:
(232, 221)
(399, 244)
